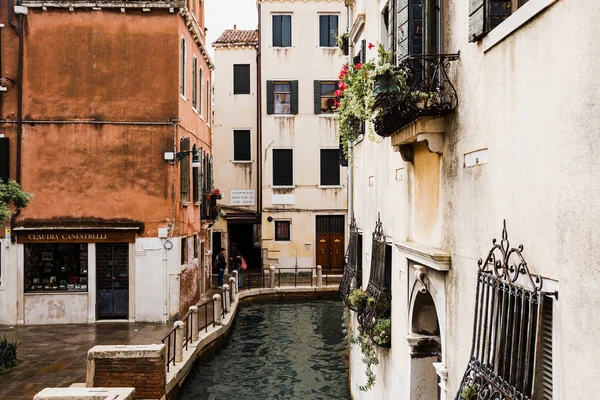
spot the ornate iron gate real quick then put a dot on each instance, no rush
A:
(112, 280)
(350, 278)
(506, 327)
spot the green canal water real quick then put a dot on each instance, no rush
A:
(277, 351)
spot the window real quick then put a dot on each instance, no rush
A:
(241, 79)
(184, 171)
(4, 160)
(328, 30)
(282, 30)
(282, 231)
(325, 97)
(199, 91)
(282, 97)
(387, 276)
(330, 167)
(196, 246)
(182, 69)
(208, 101)
(56, 267)
(196, 176)
(241, 145)
(184, 251)
(194, 83)
(283, 167)
(484, 18)
(359, 261)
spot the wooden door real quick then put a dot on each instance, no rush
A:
(323, 250)
(337, 251)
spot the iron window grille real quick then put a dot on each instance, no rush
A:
(328, 30)
(509, 304)
(283, 231)
(350, 277)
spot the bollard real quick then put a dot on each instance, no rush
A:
(226, 297)
(179, 336)
(319, 275)
(237, 278)
(272, 276)
(195, 323)
(217, 312)
(233, 289)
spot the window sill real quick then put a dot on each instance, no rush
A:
(183, 97)
(185, 203)
(283, 187)
(242, 94)
(330, 187)
(201, 116)
(242, 161)
(282, 47)
(330, 115)
(281, 241)
(514, 22)
(283, 115)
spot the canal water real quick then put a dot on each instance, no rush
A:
(277, 351)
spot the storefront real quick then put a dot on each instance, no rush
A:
(75, 275)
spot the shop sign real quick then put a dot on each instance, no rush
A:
(59, 236)
(242, 198)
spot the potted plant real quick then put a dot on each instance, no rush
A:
(469, 392)
(387, 76)
(382, 332)
(359, 299)
(424, 100)
(343, 42)
(217, 193)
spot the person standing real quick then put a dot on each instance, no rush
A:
(221, 263)
(236, 262)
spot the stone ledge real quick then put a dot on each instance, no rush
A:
(424, 129)
(86, 394)
(126, 351)
(428, 256)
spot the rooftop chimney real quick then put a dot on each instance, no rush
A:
(234, 26)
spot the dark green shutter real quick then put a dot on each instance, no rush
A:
(403, 30)
(294, 97)
(241, 79)
(363, 51)
(476, 19)
(4, 160)
(277, 30)
(333, 30)
(212, 181)
(317, 97)
(286, 30)
(270, 98)
(324, 30)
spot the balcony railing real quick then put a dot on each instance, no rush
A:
(350, 279)
(430, 93)
(209, 208)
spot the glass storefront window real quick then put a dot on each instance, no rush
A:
(56, 267)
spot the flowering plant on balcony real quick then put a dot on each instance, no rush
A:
(343, 42)
(358, 87)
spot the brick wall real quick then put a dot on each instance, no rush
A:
(147, 375)
(189, 289)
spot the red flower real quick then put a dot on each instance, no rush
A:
(336, 104)
(337, 93)
(342, 86)
(371, 45)
(358, 66)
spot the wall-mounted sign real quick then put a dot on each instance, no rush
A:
(71, 236)
(283, 198)
(242, 197)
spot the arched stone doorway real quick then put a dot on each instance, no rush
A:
(426, 347)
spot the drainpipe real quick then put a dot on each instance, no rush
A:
(350, 144)
(175, 121)
(259, 127)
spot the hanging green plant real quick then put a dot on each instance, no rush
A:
(367, 349)
(359, 299)
(382, 332)
(469, 392)
(343, 42)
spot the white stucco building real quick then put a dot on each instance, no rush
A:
(519, 147)
(236, 143)
(303, 186)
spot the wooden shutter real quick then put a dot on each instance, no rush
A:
(194, 83)
(241, 145)
(359, 260)
(184, 171)
(294, 97)
(330, 167)
(211, 181)
(476, 19)
(202, 173)
(363, 51)
(241, 79)
(277, 30)
(324, 30)
(317, 87)
(283, 167)
(333, 30)
(286, 30)
(182, 67)
(544, 382)
(195, 184)
(270, 98)
(4, 160)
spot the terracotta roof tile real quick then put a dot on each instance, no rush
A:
(239, 37)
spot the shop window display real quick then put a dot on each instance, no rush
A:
(56, 267)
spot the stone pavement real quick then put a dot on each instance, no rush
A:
(56, 355)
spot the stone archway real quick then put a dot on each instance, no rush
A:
(426, 347)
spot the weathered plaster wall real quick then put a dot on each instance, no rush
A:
(56, 309)
(305, 132)
(234, 111)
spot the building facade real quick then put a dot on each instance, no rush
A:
(304, 196)
(236, 144)
(106, 119)
(500, 162)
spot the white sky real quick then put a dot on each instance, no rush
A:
(223, 14)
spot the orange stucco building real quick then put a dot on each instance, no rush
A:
(105, 117)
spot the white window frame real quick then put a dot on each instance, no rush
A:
(233, 160)
(340, 167)
(293, 185)
(208, 102)
(291, 14)
(182, 68)
(319, 14)
(200, 90)
(275, 230)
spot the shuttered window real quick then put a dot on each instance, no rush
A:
(387, 277)
(283, 167)
(182, 68)
(359, 261)
(330, 167)
(241, 145)
(282, 231)
(282, 97)
(282, 30)
(208, 101)
(184, 251)
(545, 385)
(200, 86)
(184, 171)
(328, 30)
(241, 79)
(196, 180)
(194, 83)
(485, 15)
(324, 96)
(4, 160)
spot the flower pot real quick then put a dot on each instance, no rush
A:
(207, 196)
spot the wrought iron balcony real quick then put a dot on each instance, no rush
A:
(350, 279)
(430, 93)
(209, 208)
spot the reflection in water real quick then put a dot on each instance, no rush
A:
(277, 351)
